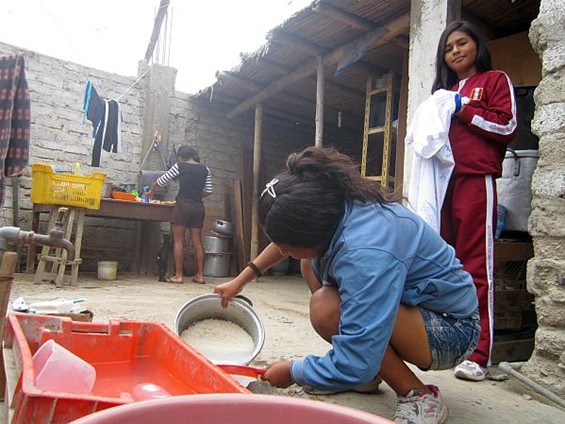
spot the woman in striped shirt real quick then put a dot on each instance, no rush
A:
(195, 183)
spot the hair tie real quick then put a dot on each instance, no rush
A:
(270, 188)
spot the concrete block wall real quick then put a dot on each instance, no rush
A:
(546, 270)
(59, 137)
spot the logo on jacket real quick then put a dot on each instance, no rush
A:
(476, 93)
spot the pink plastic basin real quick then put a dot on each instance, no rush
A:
(233, 409)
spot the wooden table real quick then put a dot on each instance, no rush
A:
(114, 209)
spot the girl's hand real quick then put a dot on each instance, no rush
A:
(228, 291)
(278, 374)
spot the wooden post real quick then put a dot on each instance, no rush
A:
(320, 85)
(239, 227)
(254, 251)
(7, 270)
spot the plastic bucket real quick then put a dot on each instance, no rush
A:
(239, 311)
(59, 370)
(224, 408)
(107, 270)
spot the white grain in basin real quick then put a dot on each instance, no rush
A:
(219, 340)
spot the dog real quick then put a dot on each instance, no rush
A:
(163, 257)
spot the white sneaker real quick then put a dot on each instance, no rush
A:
(419, 407)
(370, 387)
(469, 370)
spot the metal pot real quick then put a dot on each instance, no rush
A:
(238, 311)
(214, 244)
(223, 227)
(107, 189)
(217, 264)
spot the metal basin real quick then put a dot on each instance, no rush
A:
(239, 311)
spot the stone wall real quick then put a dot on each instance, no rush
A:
(546, 271)
(61, 138)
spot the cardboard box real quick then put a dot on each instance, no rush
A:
(84, 316)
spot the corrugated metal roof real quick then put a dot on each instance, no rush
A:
(327, 25)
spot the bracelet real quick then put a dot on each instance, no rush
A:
(255, 269)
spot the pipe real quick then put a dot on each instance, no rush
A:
(54, 239)
(507, 368)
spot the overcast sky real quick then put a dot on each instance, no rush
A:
(113, 35)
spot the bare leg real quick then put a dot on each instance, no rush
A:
(409, 341)
(196, 238)
(178, 252)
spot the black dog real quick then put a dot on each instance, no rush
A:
(163, 257)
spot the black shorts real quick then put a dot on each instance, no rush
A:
(188, 213)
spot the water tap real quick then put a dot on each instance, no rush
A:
(54, 238)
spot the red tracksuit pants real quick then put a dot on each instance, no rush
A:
(468, 222)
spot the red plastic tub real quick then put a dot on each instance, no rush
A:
(126, 355)
(232, 409)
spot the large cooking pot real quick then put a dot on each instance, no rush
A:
(223, 227)
(239, 311)
(214, 244)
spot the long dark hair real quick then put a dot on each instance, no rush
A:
(307, 201)
(445, 77)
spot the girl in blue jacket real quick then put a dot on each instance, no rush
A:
(386, 289)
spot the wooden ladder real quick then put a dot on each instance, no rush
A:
(377, 161)
(53, 260)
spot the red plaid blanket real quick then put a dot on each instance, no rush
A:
(14, 118)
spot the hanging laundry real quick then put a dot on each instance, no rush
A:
(15, 107)
(106, 119)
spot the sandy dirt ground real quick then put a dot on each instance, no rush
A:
(282, 304)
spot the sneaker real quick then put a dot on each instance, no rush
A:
(469, 370)
(370, 387)
(419, 407)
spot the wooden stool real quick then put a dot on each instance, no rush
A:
(56, 257)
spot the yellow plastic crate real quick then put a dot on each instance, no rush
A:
(53, 188)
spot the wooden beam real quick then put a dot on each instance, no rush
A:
(255, 87)
(344, 17)
(294, 119)
(368, 69)
(277, 67)
(390, 31)
(254, 251)
(161, 13)
(292, 40)
(320, 88)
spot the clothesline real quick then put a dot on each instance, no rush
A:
(133, 85)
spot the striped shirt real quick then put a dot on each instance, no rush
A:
(194, 180)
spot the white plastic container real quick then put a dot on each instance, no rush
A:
(57, 306)
(57, 369)
(107, 270)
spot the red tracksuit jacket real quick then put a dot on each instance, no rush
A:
(480, 133)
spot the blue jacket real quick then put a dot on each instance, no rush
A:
(381, 256)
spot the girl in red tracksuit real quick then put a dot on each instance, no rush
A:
(478, 135)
